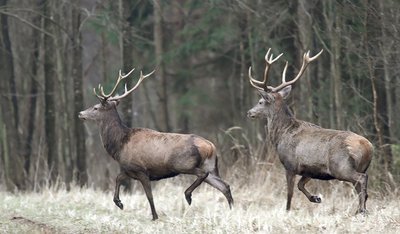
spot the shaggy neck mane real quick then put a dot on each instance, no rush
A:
(283, 121)
(114, 134)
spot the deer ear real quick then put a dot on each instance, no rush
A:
(285, 92)
(267, 97)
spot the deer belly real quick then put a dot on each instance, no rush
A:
(314, 171)
(161, 174)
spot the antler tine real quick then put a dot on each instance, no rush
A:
(95, 93)
(284, 72)
(120, 78)
(254, 80)
(126, 75)
(127, 92)
(315, 56)
(306, 61)
(269, 60)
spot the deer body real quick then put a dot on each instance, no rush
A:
(306, 149)
(147, 155)
(163, 155)
(314, 152)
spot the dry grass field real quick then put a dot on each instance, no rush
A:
(259, 208)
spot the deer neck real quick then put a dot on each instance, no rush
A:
(113, 134)
(281, 123)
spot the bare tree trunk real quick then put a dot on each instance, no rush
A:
(304, 31)
(243, 68)
(62, 102)
(371, 39)
(127, 13)
(12, 157)
(160, 73)
(50, 77)
(386, 48)
(291, 46)
(336, 72)
(33, 92)
(333, 23)
(82, 177)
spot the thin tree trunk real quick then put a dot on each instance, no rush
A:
(241, 96)
(127, 56)
(333, 23)
(50, 76)
(82, 177)
(304, 31)
(160, 73)
(62, 103)
(385, 48)
(12, 157)
(33, 92)
(336, 72)
(371, 38)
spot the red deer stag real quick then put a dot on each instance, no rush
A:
(306, 149)
(148, 155)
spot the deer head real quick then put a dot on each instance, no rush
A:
(108, 102)
(272, 97)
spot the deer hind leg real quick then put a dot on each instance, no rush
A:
(360, 182)
(218, 183)
(290, 185)
(201, 176)
(302, 182)
(121, 177)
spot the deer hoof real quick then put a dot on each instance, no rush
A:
(315, 199)
(188, 198)
(362, 212)
(119, 204)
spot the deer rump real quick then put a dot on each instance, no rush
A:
(164, 155)
(324, 154)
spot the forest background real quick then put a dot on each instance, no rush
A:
(53, 53)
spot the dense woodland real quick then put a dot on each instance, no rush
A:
(54, 52)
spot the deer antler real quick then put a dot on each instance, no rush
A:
(306, 61)
(263, 85)
(104, 97)
(269, 60)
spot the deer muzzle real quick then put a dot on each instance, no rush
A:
(81, 116)
(251, 114)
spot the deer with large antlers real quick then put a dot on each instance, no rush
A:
(306, 149)
(148, 155)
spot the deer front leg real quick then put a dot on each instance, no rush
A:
(290, 176)
(312, 198)
(122, 176)
(145, 181)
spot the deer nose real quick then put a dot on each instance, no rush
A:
(251, 114)
(81, 116)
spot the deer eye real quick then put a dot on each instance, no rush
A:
(260, 103)
(95, 108)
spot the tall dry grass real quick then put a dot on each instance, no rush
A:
(258, 186)
(259, 208)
